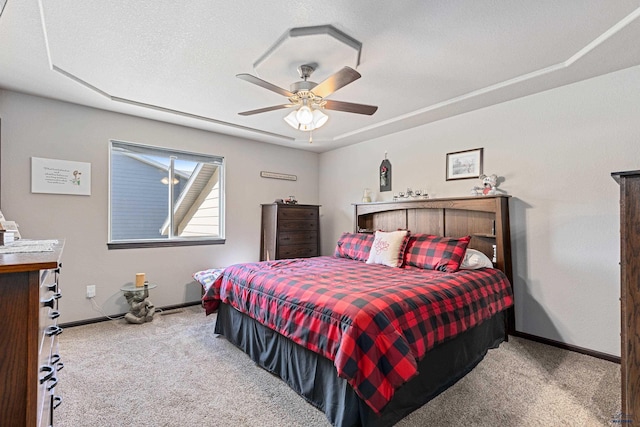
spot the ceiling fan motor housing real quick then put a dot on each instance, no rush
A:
(305, 71)
(302, 86)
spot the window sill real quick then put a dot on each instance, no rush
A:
(164, 243)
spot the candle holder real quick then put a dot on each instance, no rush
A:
(411, 194)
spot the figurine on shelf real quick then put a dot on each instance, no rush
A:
(291, 200)
(142, 310)
(489, 186)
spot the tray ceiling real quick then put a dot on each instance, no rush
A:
(420, 61)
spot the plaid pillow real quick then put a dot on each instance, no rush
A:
(354, 245)
(436, 253)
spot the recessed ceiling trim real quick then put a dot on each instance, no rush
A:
(164, 109)
(143, 104)
(198, 117)
(80, 81)
(506, 83)
(316, 30)
(44, 33)
(457, 99)
(604, 36)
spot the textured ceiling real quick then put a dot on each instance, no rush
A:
(420, 61)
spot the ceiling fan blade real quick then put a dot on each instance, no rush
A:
(266, 109)
(265, 84)
(335, 82)
(350, 107)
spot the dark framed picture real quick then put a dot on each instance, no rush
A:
(385, 175)
(464, 164)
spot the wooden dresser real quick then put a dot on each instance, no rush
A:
(289, 231)
(630, 294)
(29, 360)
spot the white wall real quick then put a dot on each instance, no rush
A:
(33, 126)
(556, 150)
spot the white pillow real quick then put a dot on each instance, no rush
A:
(388, 248)
(475, 259)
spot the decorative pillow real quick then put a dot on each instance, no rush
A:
(436, 253)
(207, 277)
(354, 246)
(475, 259)
(388, 248)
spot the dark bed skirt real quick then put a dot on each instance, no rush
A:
(314, 377)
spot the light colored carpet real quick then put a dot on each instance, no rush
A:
(176, 372)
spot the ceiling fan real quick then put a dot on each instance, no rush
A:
(309, 98)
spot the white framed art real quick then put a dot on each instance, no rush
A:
(54, 176)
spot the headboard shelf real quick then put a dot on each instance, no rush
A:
(484, 218)
(474, 203)
(488, 235)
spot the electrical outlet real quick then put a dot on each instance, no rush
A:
(91, 291)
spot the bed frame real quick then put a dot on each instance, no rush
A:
(486, 220)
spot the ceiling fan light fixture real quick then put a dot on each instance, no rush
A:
(318, 118)
(304, 115)
(291, 119)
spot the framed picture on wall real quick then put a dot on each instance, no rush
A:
(385, 175)
(464, 164)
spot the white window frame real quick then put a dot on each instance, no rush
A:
(170, 240)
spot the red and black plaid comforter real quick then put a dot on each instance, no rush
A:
(375, 322)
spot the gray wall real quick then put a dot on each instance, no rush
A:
(556, 151)
(33, 126)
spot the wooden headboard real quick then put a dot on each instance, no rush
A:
(484, 218)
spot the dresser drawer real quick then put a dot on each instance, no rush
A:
(298, 238)
(298, 213)
(298, 251)
(294, 224)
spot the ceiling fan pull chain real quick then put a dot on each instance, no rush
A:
(311, 136)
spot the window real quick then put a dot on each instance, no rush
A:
(161, 197)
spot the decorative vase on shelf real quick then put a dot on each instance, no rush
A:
(366, 197)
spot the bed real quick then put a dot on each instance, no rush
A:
(387, 322)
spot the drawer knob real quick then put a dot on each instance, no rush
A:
(54, 314)
(52, 330)
(53, 382)
(55, 358)
(49, 302)
(48, 373)
(52, 287)
(55, 361)
(56, 401)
